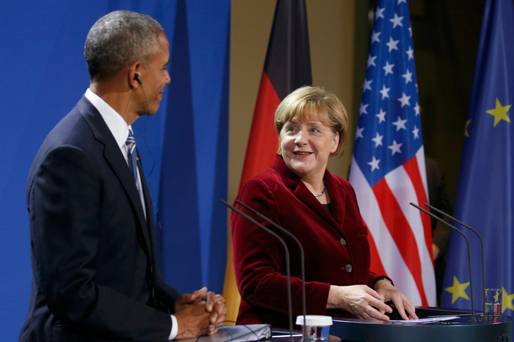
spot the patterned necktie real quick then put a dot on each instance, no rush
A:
(132, 155)
(132, 164)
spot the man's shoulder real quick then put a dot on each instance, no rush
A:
(73, 129)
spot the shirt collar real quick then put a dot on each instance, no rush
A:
(114, 121)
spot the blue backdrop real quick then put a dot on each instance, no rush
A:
(184, 147)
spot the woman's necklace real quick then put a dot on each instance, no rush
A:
(320, 194)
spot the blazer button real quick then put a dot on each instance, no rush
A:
(342, 241)
(348, 268)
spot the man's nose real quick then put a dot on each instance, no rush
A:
(168, 77)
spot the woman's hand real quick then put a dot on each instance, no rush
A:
(390, 293)
(360, 300)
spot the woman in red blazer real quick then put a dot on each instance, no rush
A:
(321, 210)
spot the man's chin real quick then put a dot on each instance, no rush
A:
(148, 112)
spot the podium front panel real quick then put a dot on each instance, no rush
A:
(465, 328)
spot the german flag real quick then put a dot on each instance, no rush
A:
(287, 67)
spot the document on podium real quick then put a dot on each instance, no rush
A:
(238, 333)
(426, 320)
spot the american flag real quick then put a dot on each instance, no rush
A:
(388, 165)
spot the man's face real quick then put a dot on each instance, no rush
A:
(154, 77)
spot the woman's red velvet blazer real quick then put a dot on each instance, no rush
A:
(335, 243)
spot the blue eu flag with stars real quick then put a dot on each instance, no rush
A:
(486, 190)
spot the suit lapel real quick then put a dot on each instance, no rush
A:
(146, 193)
(118, 164)
(148, 204)
(336, 199)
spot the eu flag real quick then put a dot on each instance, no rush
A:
(486, 191)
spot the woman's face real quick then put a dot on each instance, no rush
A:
(307, 144)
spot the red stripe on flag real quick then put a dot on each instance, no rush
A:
(375, 264)
(263, 141)
(401, 233)
(412, 169)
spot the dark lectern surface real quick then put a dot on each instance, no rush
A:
(465, 328)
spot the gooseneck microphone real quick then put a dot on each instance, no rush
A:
(302, 257)
(448, 224)
(480, 239)
(288, 262)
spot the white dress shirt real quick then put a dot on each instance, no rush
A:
(119, 130)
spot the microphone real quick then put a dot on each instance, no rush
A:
(288, 262)
(479, 237)
(448, 224)
(302, 257)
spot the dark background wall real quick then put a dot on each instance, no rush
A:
(446, 35)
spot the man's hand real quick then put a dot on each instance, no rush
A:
(192, 319)
(190, 298)
(216, 306)
(213, 306)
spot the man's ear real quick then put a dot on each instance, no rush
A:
(134, 75)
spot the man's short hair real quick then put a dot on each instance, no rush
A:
(118, 39)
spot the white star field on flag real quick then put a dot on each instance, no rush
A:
(390, 135)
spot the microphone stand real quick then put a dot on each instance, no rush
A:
(473, 313)
(302, 259)
(479, 237)
(288, 263)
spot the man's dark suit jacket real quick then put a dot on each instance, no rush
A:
(94, 274)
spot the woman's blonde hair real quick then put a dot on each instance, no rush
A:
(306, 101)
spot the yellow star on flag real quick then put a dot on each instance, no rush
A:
(458, 290)
(507, 300)
(499, 112)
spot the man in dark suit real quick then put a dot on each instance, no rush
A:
(93, 256)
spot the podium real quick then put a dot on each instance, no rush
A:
(464, 328)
